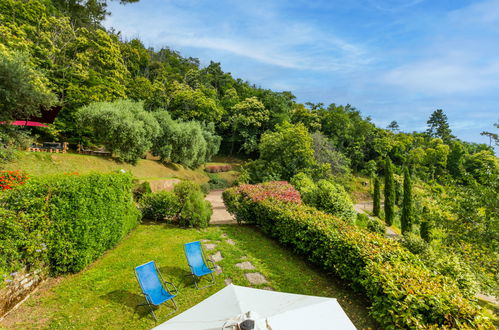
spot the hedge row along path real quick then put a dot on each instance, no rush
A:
(220, 215)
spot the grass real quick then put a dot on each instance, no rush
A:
(106, 293)
(41, 163)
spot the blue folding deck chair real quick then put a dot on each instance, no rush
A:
(197, 263)
(153, 287)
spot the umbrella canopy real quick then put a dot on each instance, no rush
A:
(269, 310)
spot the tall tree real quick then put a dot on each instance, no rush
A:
(23, 90)
(455, 161)
(407, 207)
(394, 126)
(389, 192)
(377, 197)
(492, 136)
(438, 126)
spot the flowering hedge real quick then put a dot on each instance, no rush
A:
(65, 221)
(402, 291)
(217, 168)
(10, 179)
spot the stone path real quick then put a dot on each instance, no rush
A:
(220, 215)
(254, 278)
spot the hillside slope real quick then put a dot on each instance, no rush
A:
(37, 163)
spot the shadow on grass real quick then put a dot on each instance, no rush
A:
(129, 300)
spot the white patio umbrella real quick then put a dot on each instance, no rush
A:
(269, 309)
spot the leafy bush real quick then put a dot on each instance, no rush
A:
(217, 182)
(160, 206)
(414, 243)
(185, 205)
(403, 292)
(326, 196)
(205, 188)
(141, 189)
(65, 221)
(195, 212)
(374, 225)
(123, 126)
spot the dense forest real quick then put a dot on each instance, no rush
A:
(132, 99)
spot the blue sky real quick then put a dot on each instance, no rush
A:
(392, 59)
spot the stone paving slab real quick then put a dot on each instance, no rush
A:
(255, 278)
(217, 257)
(210, 246)
(231, 242)
(218, 269)
(228, 281)
(245, 265)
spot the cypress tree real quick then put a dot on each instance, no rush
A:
(407, 209)
(389, 192)
(424, 228)
(377, 197)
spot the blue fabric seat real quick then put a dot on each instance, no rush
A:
(197, 262)
(154, 288)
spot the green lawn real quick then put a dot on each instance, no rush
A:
(106, 293)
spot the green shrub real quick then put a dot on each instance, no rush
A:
(332, 198)
(361, 220)
(217, 182)
(205, 188)
(195, 212)
(414, 243)
(184, 189)
(374, 225)
(141, 189)
(326, 196)
(65, 221)
(402, 291)
(163, 205)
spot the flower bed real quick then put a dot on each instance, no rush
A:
(218, 168)
(402, 291)
(10, 179)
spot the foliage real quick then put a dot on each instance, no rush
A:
(141, 189)
(23, 90)
(216, 182)
(187, 143)
(123, 126)
(326, 153)
(326, 196)
(66, 221)
(406, 219)
(195, 211)
(11, 179)
(375, 225)
(284, 152)
(414, 243)
(163, 205)
(438, 126)
(389, 193)
(396, 281)
(377, 197)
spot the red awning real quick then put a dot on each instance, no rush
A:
(25, 123)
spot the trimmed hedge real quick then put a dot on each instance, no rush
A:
(402, 291)
(65, 221)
